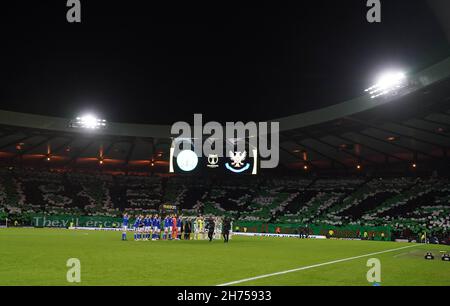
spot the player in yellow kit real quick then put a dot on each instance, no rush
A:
(201, 227)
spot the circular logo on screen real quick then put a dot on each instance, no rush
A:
(187, 160)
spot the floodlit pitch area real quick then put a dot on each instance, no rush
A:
(39, 256)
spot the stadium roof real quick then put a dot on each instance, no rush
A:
(408, 127)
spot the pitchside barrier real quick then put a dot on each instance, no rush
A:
(378, 233)
(67, 221)
(276, 235)
(329, 231)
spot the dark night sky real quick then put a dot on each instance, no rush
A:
(144, 61)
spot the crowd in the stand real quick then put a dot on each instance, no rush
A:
(406, 204)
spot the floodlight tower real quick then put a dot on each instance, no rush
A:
(387, 83)
(88, 122)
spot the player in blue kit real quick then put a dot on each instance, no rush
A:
(125, 222)
(136, 227)
(152, 225)
(146, 229)
(149, 227)
(166, 228)
(157, 227)
(142, 228)
(171, 225)
(179, 226)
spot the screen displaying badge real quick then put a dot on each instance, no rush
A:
(236, 160)
(187, 161)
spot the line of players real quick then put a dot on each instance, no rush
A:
(172, 227)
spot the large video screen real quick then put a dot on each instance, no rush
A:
(233, 161)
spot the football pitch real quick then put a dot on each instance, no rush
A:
(39, 257)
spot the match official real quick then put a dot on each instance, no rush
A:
(226, 227)
(211, 227)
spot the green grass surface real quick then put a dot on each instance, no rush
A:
(39, 256)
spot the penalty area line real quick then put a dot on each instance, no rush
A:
(313, 266)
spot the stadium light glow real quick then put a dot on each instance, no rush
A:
(387, 83)
(88, 121)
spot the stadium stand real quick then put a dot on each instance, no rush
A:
(366, 162)
(405, 204)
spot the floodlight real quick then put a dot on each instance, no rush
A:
(88, 121)
(387, 83)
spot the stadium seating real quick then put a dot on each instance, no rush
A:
(405, 204)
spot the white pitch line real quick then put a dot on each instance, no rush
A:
(404, 253)
(313, 266)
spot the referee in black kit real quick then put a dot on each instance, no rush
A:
(226, 227)
(211, 226)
